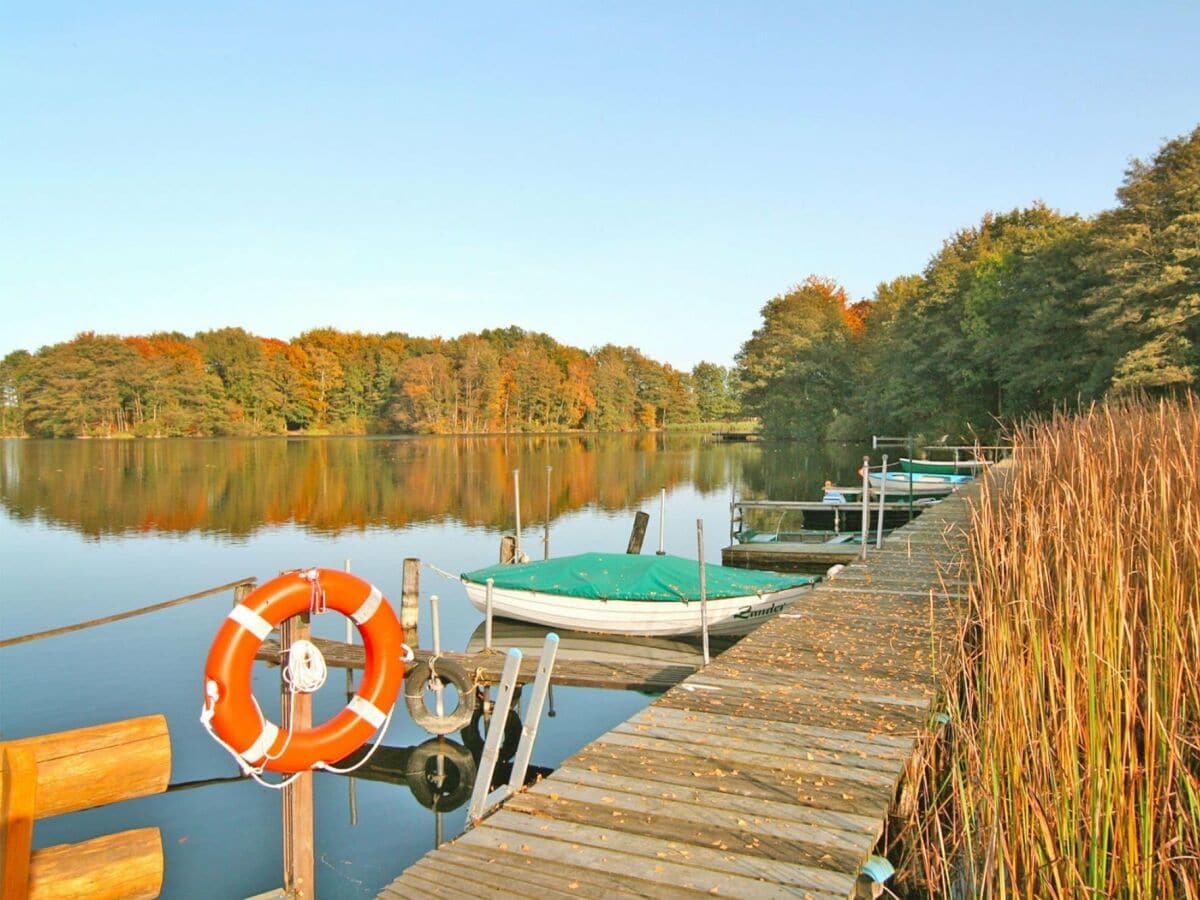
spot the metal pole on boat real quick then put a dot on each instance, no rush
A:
(703, 591)
(662, 522)
(866, 504)
(882, 494)
(487, 620)
(517, 512)
(546, 534)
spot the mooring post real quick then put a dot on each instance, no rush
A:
(410, 600)
(436, 620)
(241, 591)
(640, 522)
(662, 523)
(487, 616)
(517, 512)
(298, 865)
(703, 591)
(508, 550)
(866, 503)
(546, 534)
(882, 495)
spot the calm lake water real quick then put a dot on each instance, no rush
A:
(90, 528)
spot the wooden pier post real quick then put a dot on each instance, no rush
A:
(298, 865)
(508, 550)
(241, 591)
(640, 523)
(410, 600)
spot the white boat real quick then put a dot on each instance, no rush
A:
(620, 593)
(900, 485)
(944, 466)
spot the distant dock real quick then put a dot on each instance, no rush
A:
(736, 436)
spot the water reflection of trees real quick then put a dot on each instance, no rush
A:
(235, 487)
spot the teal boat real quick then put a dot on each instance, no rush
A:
(943, 466)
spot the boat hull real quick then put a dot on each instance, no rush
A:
(843, 517)
(900, 485)
(729, 615)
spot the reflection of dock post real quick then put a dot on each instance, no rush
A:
(298, 868)
(546, 535)
(410, 600)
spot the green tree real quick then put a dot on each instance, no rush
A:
(79, 388)
(237, 358)
(795, 368)
(15, 371)
(1147, 258)
(715, 400)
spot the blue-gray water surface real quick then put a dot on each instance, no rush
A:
(91, 528)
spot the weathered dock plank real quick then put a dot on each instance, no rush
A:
(769, 772)
(651, 678)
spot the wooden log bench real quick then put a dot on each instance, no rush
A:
(55, 774)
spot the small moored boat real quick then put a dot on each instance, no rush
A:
(621, 593)
(903, 484)
(944, 466)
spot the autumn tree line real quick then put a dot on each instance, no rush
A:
(1028, 311)
(229, 382)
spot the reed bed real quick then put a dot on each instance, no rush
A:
(1071, 762)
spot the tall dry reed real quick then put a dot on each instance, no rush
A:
(1073, 760)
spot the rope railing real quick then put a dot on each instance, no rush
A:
(129, 614)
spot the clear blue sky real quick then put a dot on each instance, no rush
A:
(643, 173)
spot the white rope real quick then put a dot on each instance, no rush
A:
(378, 740)
(254, 772)
(305, 670)
(442, 572)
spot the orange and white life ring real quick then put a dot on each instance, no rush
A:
(230, 709)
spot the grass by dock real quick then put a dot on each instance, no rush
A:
(1071, 762)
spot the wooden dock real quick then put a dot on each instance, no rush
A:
(486, 667)
(786, 556)
(771, 772)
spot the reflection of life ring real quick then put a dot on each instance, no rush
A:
(456, 780)
(230, 709)
(423, 674)
(472, 735)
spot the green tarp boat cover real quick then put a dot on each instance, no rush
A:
(624, 576)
